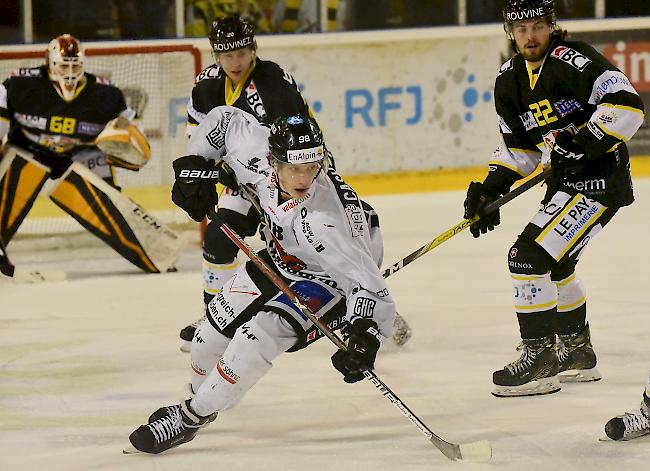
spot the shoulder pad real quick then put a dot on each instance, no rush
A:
(507, 65)
(210, 72)
(571, 56)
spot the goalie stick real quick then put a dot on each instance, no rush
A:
(465, 223)
(479, 451)
(22, 275)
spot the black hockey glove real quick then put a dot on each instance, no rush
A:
(363, 342)
(227, 176)
(568, 158)
(478, 196)
(195, 188)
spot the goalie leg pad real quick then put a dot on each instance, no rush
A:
(124, 225)
(21, 180)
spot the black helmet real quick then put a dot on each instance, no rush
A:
(231, 33)
(517, 10)
(297, 140)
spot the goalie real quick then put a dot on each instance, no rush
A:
(70, 126)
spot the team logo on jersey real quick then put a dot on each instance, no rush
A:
(529, 120)
(549, 137)
(211, 72)
(567, 106)
(30, 121)
(27, 72)
(595, 130)
(254, 100)
(611, 82)
(571, 57)
(364, 307)
(91, 129)
(217, 137)
(507, 65)
(310, 236)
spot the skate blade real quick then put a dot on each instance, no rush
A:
(607, 439)
(580, 376)
(532, 388)
(131, 450)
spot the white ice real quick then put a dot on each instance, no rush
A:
(84, 362)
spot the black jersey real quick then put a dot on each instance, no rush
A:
(576, 88)
(267, 92)
(47, 125)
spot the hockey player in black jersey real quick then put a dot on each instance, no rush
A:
(262, 88)
(70, 126)
(563, 104)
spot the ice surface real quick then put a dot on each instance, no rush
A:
(84, 362)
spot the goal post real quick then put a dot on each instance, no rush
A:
(156, 81)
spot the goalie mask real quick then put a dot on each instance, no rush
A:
(297, 153)
(65, 65)
(231, 33)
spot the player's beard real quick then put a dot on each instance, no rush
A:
(536, 55)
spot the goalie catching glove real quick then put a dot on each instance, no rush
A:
(124, 144)
(363, 343)
(195, 189)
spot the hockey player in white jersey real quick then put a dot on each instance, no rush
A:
(322, 240)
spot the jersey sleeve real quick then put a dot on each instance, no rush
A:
(619, 109)
(230, 134)
(350, 261)
(349, 247)
(516, 152)
(5, 114)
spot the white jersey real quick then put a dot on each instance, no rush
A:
(324, 236)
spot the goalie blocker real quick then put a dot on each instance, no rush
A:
(117, 220)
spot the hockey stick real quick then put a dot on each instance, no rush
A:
(465, 223)
(479, 451)
(23, 275)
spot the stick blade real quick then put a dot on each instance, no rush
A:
(23, 275)
(478, 452)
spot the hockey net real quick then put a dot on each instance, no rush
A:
(156, 82)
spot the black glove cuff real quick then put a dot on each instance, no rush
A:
(498, 181)
(195, 168)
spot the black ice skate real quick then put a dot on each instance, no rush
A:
(628, 426)
(175, 409)
(187, 334)
(534, 373)
(577, 358)
(179, 426)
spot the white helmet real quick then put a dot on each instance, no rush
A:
(65, 64)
